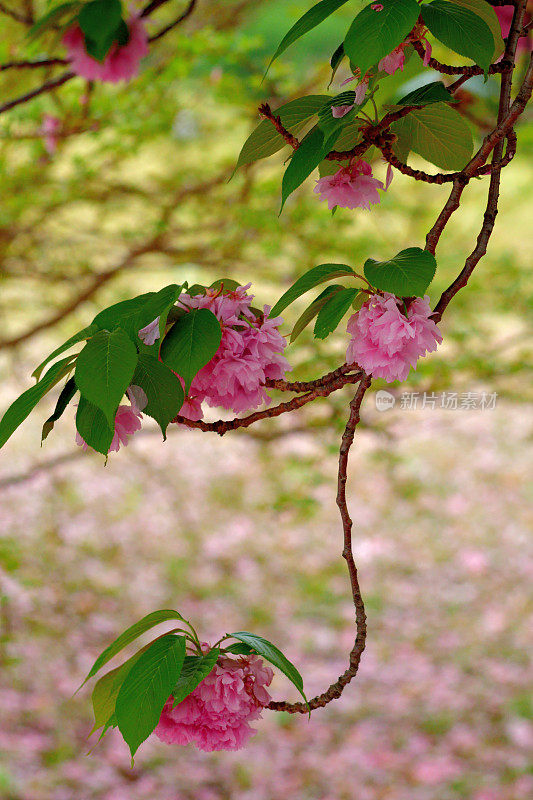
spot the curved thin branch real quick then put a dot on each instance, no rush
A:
(336, 689)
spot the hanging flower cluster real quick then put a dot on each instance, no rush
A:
(250, 352)
(217, 714)
(351, 187)
(386, 342)
(121, 62)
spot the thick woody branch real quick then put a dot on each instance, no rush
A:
(336, 689)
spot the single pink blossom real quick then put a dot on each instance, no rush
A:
(50, 127)
(217, 714)
(377, 6)
(350, 187)
(127, 421)
(385, 342)
(121, 62)
(427, 53)
(249, 354)
(360, 90)
(394, 61)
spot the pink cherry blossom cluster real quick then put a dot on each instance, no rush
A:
(385, 342)
(121, 62)
(217, 714)
(250, 352)
(351, 187)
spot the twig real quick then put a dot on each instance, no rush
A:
(188, 11)
(222, 426)
(336, 689)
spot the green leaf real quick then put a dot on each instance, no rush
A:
(227, 284)
(99, 48)
(310, 279)
(409, 273)
(310, 20)
(93, 427)
(438, 133)
(67, 393)
(99, 19)
(194, 670)
(264, 141)
(136, 313)
(375, 34)
(435, 92)
(313, 148)
(86, 333)
(272, 654)
(460, 29)
(146, 689)
(333, 311)
(162, 388)
(239, 649)
(487, 13)
(311, 311)
(23, 405)
(192, 341)
(129, 636)
(105, 692)
(104, 370)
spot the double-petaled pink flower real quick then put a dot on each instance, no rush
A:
(121, 62)
(351, 187)
(385, 342)
(250, 353)
(217, 714)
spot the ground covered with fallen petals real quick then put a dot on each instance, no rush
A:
(239, 534)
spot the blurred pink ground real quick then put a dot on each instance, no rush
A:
(218, 529)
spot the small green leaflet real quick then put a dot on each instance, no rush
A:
(333, 311)
(86, 333)
(435, 92)
(194, 670)
(23, 405)
(146, 689)
(162, 388)
(409, 273)
(310, 279)
(104, 370)
(129, 636)
(374, 34)
(313, 148)
(100, 22)
(436, 132)
(272, 654)
(93, 427)
(136, 313)
(460, 29)
(264, 141)
(310, 20)
(67, 393)
(192, 341)
(311, 311)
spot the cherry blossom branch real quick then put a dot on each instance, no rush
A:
(45, 62)
(336, 689)
(222, 426)
(49, 86)
(494, 141)
(466, 71)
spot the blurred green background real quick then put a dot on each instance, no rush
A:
(242, 533)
